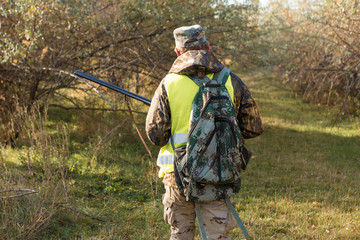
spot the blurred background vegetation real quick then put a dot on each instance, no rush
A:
(312, 45)
(65, 138)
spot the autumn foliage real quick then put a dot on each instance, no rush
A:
(317, 46)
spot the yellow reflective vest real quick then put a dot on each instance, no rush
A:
(181, 91)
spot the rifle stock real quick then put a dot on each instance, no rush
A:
(113, 87)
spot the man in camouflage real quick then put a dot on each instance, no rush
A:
(195, 59)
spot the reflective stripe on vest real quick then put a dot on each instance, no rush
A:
(181, 91)
(166, 155)
(179, 138)
(165, 159)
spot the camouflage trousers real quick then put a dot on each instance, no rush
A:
(180, 214)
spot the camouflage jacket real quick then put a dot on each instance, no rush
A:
(201, 62)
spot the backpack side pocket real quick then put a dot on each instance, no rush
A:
(179, 160)
(246, 155)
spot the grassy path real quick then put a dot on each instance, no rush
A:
(302, 182)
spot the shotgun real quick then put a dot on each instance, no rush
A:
(113, 87)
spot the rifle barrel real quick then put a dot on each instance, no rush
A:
(113, 87)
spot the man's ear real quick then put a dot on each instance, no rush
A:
(177, 52)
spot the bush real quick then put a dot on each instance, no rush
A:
(33, 193)
(316, 45)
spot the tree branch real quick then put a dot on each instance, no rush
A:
(25, 192)
(93, 109)
(158, 31)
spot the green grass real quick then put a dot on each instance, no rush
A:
(302, 182)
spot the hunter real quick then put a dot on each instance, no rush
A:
(167, 125)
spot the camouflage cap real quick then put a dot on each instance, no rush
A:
(189, 36)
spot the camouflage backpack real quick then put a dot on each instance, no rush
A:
(208, 167)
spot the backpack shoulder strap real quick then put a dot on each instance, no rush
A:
(223, 76)
(237, 218)
(197, 80)
(200, 222)
(220, 77)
